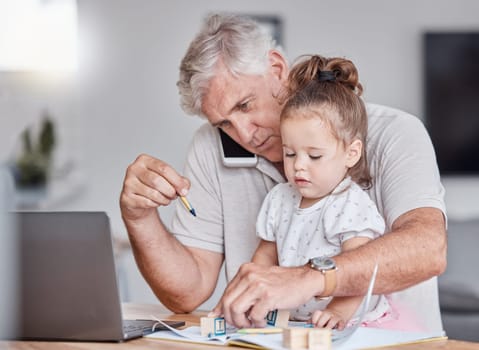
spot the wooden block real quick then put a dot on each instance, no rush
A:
(212, 326)
(319, 339)
(278, 318)
(296, 338)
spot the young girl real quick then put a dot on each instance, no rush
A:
(322, 209)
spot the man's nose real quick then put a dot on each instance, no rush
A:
(245, 130)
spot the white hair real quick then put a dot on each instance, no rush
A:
(237, 41)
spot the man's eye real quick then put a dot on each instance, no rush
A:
(243, 107)
(225, 124)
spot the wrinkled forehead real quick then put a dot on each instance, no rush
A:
(220, 93)
(227, 90)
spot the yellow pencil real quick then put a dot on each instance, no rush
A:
(188, 205)
(267, 330)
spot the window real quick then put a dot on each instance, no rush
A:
(38, 35)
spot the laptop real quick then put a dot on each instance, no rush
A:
(8, 256)
(69, 286)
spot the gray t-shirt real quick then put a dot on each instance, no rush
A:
(227, 200)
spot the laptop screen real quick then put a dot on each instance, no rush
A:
(69, 286)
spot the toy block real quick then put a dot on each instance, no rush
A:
(212, 326)
(295, 338)
(319, 339)
(298, 338)
(278, 318)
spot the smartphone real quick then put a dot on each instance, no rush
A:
(233, 155)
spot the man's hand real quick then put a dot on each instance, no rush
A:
(181, 277)
(149, 183)
(256, 290)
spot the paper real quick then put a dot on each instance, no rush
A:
(366, 337)
(193, 334)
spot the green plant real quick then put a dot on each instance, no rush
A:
(34, 162)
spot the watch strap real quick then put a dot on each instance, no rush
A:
(329, 282)
(328, 268)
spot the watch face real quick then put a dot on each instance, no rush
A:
(323, 263)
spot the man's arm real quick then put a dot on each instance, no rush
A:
(181, 277)
(414, 251)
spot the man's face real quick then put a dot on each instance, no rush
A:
(245, 108)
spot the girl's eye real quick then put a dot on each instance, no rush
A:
(315, 157)
(289, 155)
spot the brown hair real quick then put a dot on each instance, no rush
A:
(316, 82)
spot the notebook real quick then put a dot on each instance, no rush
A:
(69, 287)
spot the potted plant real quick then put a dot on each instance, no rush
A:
(33, 164)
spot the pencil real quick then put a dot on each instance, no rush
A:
(267, 330)
(188, 205)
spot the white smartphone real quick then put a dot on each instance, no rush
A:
(233, 155)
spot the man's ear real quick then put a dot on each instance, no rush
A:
(278, 66)
(354, 152)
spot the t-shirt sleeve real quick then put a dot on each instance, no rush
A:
(206, 229)
(407, 165)
(352, 214)
(266, 223)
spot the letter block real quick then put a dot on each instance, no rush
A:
(212, 326)
(278, 318)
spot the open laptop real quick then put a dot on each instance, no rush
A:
(69, 285)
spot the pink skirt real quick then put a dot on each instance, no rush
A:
(397, 318)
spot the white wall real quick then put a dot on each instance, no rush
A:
(124, 101)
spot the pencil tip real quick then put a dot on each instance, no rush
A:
(193, 212)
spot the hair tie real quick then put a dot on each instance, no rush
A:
(326, 75)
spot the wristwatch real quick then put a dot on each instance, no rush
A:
(327, 267)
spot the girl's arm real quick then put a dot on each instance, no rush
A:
(266, 254)
(341, 309)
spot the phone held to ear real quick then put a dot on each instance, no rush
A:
(233, 155)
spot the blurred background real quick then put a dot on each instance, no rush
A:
(88, 85)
